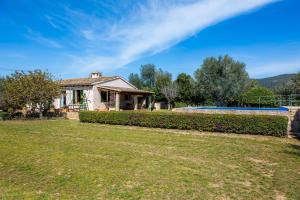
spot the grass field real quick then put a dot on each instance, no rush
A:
(67, 159)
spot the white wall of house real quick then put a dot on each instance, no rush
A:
(96, 97)
(92, 93)
(87, 91)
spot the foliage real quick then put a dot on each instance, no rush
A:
(170, 92)
(162, 79)
(222, 79)
(135, 80)
(148, 73)
(4, 115)
(1, 93)
(259, 96)
(179, 104)
(36, 89)
(244, 124)
(185, 85)
(153, 79)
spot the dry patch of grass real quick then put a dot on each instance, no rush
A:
(67, 159)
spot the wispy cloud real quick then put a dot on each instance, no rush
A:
(39, 38)
(148, 28)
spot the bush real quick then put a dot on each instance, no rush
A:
(179, 104)
(244, 124)
(4, 116)
(259, 96)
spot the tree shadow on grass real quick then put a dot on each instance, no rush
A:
(293, 149)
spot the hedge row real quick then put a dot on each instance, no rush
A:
(244, 124)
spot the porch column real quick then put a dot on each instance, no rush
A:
(135, 102)
(150, 103)
(117, 101)
(144, 102)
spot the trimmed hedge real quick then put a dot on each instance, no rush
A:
(244, 124)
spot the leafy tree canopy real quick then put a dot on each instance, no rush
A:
(185, 85)
(148, 73)
(36, 89)
(135, 80)
(1, 93)
(222, 79)
(259, 96)
(162, 79)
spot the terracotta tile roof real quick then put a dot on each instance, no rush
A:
(130, 90)
(85, 81)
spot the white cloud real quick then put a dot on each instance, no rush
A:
(39, 38)
(151, 28)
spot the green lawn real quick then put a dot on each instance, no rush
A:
(67, 159)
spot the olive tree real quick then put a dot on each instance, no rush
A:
(222, 79)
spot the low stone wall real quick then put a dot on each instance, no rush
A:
(236, 112)
(72, 115)
(294, 119)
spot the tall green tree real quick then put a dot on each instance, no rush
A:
(1, 93)
(135, 80)
(148, 73)
(185, 85)
(162, 79)
(222, 79)
(36, 89)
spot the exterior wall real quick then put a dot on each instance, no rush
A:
(116, 83)
(87, 91)
(89, 94)
(96, 99)
(56, 103)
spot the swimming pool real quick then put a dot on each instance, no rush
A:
(280, 109)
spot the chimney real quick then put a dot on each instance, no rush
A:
(95, 74)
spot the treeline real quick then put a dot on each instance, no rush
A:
(220, 81)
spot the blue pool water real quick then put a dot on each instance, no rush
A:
(282, 109)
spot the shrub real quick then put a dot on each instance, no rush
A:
(4, 116)
(259, 96)
(244, 124)
(179, 104)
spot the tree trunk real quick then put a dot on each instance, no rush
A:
(41, 111)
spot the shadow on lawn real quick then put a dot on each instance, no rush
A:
(293, 149)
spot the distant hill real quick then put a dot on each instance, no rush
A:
(273, 82)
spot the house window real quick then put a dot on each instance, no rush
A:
(127, 97)
(77, 96)
(104, 96)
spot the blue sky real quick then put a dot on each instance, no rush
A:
(71, 38)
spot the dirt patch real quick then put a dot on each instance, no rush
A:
(279, 196)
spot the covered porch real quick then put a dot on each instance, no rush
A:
(114, 98)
